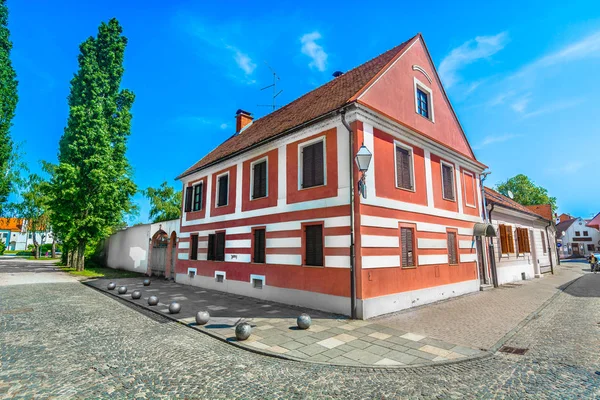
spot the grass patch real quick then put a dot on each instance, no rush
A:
(43, 258)
(18, 252)
(95, 271)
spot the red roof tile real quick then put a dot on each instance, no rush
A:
(491, 196)
(545, 210)
(12, 224)
(323, 100)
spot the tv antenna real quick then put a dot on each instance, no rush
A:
(274, 86)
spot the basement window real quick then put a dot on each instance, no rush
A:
(220, 276)
(258, 281)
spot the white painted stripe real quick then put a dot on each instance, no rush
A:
(336, 221)
(433, 259)
(380, 261)
(466, 244)
(184, 235)
(203, 244)
(432, 244)
(284, 242)
(380, 241)
(284, 226)
(381, 222)
(289, 259)
(465, 231)
(245, 258)
(368, 141)
(468, 257)
(427, 227)
(182, 256)
(337, 241)
(241, 244)
(238, 229)
(337, 261)
(184, 245)
(202, 256)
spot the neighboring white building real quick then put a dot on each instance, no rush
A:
(14, 233)
(524, 246)
(577, 238)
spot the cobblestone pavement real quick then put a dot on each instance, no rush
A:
(65, 340)
(331, 338)
(481, 319)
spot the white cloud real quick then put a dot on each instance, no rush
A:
(559, 106)
(520, 104)
(473, 50)
(495, 139)
(314, 51)
(568, 168)
(243, 61)
(224, 126)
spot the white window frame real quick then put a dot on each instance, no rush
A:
(194, 270)
(194, 196)
(474, 189)
(412, 166)
(220, 273)
(301, 160)
(257, 277)
(218, 188)
(442, 162)
(265, 159)
(420, 85)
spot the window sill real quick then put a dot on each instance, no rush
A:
(313, 187)
(221, 206)
(313, 266)
(412, 267)
(452, 200)
(406, 190)
(259, 198)
(454, 265)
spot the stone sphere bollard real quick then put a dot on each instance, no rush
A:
(136, 294)
(111, 286)
(152, 300)
(122, 289)
(146, 282)
(202, 317)
(174, 307)
(304, 321)
(243, 331)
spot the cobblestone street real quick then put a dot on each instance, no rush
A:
(66, 340)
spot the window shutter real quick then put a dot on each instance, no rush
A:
(319, 171)
(188, 199)
(220, 248)
(544, 242)
(452, 256)
(503, 241)
(406, 237)
(314, 245)
(448, 182)
(194, 251)
(223, 190)
(259, 184)
(263, 179)
(510, 239)
(197, 197)
(259, 245)
(211, 247)
(403, 175)
(313, 173)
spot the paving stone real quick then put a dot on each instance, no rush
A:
(312, 349)
(379, 335)
(412, 336)
(421, 354)
(378, 350)
(275, 339)
(293, 345)
(387, 361)
(330, 343)
(333, 353)
(359, 344)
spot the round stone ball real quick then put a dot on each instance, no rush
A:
(152, 300)
(174, 307)
(202, 317)
(111, 286)
(243, 331)
(122, 289)
(146, 282)
(304, 321)
(136, 294)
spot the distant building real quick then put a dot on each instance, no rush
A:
(14, 233)
(578, 237)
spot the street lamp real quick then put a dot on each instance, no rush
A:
(363, 159)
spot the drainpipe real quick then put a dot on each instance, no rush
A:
(482, 178)
(352, 207)
(549, 251)
(491, 248)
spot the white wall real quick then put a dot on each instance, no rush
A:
(128, 249)
(568, 240)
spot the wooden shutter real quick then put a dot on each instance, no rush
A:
(448, 182)
(452, 253)
(314, 245)
(220, 246)
(259, 245)
(519, 241)
(407, 243)
(197, 197)
(188, 199)
(510, 239)
(223, 190)
(210, 255)
(313, 173)
(259, 188)
(403, 173)
(503, 242)
(544, 242)
(194, 248)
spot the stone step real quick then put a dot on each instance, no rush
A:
(486, 287)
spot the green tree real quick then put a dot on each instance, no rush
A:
(165, 202)
(33, 208)
(526, 192)
(8, 104)
(92, 185)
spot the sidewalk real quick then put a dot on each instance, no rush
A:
(451, 330)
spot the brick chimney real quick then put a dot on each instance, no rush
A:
(242, 120)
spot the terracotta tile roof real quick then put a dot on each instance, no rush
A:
(11, 224)
(323, 100)
(491, 196)
(594, 222)
(545, 210)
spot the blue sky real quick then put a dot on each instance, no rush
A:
(522, 76)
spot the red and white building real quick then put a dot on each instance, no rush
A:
(269, 213)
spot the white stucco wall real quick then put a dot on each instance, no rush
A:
(569, 239)
(128, 248)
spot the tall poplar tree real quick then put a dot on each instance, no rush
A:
(92, 185)
(8, 104)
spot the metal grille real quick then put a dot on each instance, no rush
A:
(513, 350)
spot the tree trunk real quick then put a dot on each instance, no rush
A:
(53, 253)
(36, 247)
(80, 262)
(69, 258)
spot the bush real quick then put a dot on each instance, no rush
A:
(2, 248)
